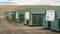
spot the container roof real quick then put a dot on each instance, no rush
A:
(20, 11)
(37, 10)
(13, 12)
(58, 13)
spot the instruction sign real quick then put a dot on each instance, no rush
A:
(16, 15)
(50, 14)
(10, 14)
(27, 15)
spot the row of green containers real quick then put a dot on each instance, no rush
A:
(36, 16)
(30, 16)
(16, 16)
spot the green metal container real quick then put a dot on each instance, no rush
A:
(12, 15)
(34, 16)
(7, 15)
(49, 18)
(20, 16)
(55, 25)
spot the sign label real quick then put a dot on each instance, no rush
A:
(27, 15)
(10, 14)
(16, 15)
(50, 14)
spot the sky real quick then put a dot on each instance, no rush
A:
(30, 2)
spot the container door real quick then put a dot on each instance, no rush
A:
(13, 17)
(37, 19)
(21, 17)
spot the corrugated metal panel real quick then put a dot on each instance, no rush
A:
(37, 19)
(45, 24)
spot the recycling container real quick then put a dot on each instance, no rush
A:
(20, 16)
(34, 16)
(5, 14)
(49, 18)
(55, 25)
(12, 16)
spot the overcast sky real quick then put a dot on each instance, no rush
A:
(30, 2)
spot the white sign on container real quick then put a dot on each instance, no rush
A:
(10, 14)
(16, 15)
(27, 15)
(50, 14)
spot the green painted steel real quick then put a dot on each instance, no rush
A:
(45, 23)
(36, 16)
(37, 19)
(20, 17)
(56, 24)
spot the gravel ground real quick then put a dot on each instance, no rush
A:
(7, 27)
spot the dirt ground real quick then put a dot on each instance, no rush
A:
(7, 27)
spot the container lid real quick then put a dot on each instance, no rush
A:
(12, 12)
(20, 12)
(58, 14)
(37, 11)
